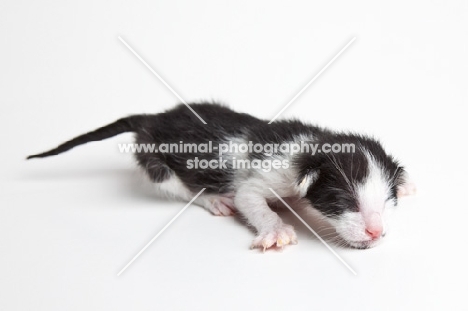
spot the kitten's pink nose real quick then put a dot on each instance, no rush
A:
(374, 226)
(374, 233)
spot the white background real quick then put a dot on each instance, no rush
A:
(68, 224)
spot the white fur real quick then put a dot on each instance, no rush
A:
(173, 188)
(374, 209)
(253, 196)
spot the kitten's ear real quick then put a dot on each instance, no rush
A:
(308, 167)
(305, 180)
(407, 186)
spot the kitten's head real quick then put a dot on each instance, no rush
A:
(355, 191)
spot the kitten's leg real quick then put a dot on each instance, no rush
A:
(270, 228)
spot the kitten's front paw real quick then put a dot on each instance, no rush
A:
(279, 237)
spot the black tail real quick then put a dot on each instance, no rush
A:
(129, 124)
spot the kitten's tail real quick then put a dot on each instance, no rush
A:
(128, 124)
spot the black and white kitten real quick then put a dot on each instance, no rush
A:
(354, 191)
